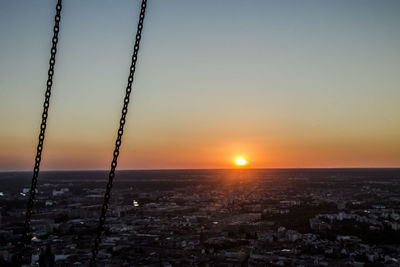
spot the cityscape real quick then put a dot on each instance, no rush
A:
(238, 217)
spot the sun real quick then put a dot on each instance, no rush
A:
(240, 161)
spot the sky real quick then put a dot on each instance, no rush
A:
(285, 84)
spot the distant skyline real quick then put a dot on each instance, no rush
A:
(284, 84)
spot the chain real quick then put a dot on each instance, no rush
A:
(119, 137)
(26, 240)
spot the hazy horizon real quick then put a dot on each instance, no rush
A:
(205, 169)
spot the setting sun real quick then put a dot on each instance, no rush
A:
(240, 161)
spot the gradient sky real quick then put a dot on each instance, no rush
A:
(283, 83)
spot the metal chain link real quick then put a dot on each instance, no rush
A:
(120, 132)
(26, 238)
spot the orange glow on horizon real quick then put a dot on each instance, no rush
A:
(206, 153)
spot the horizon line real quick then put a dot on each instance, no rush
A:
(210, 169)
